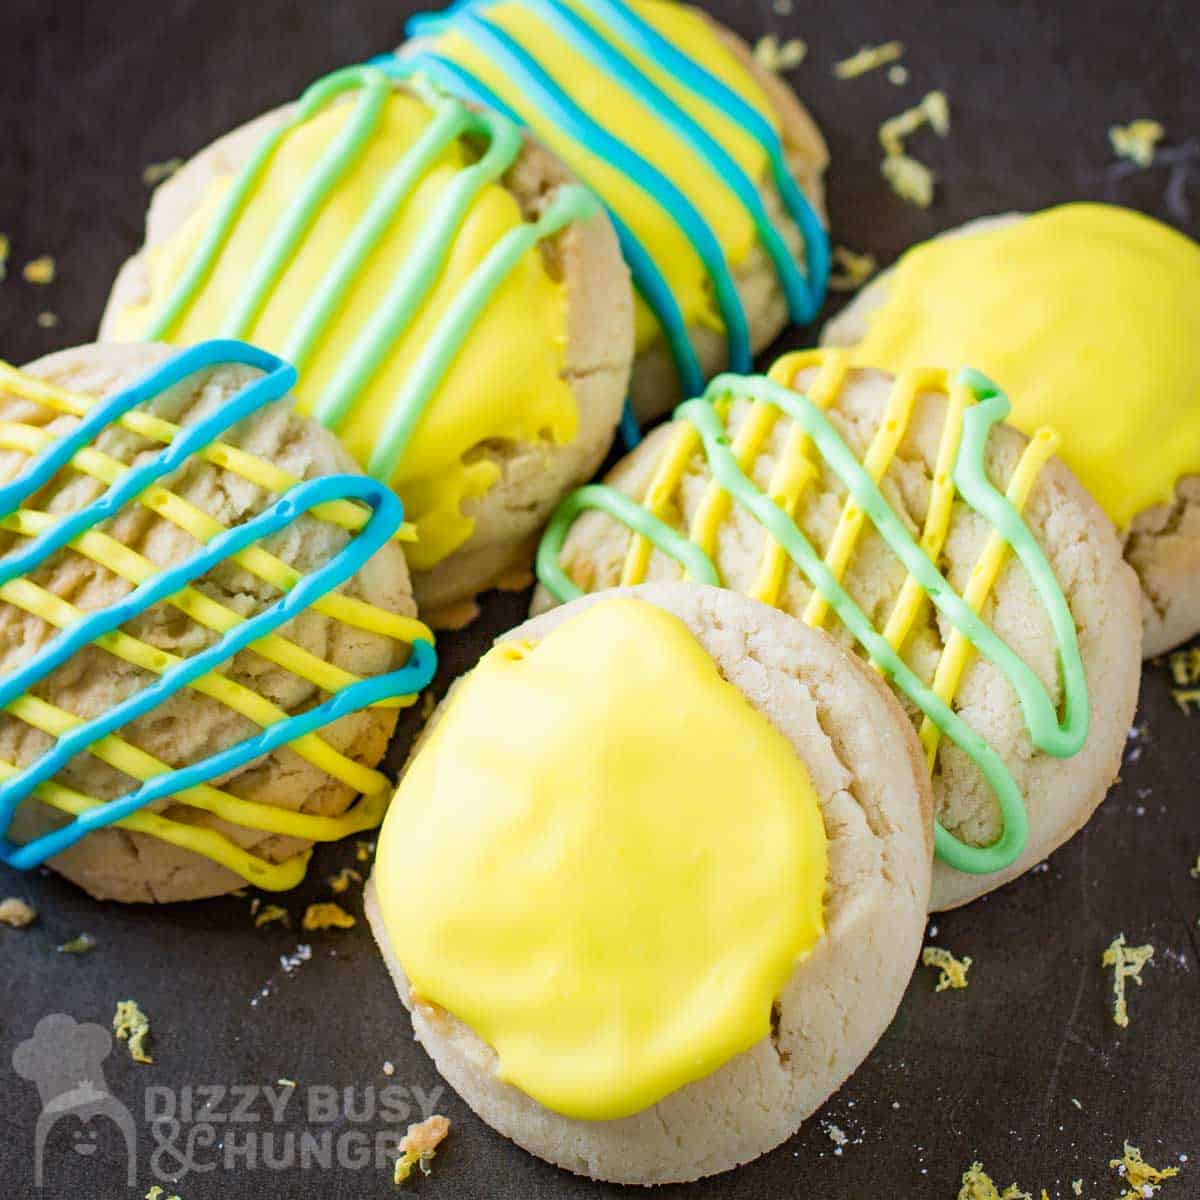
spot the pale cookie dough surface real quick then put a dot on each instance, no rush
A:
(1163, 543)
(123, 865)
(1078, 540)
(598, 354)
(866, 768)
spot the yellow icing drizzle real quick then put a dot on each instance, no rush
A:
(1089, 316)
(593, 903)
(504, 384)
(796, 470)
(128, 564)
(639, 126)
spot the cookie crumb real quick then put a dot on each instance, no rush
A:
(326, 916)
(389, 1068)
(287, 1083)
(132, 1025)
(155, 173)
(16, 913)
(1136, 141)
(1077, 1186)
(4, 249)
(856, 269)
(47, 320)
(1127, 963)
(1143, 1179)
(419, 1145)
(341, 882)
(83, 944)
(898, 75)
(775, 56)
(157, 1193)
(267, 914)
(40, 270)
(869, 58)
(364, 851)
(952, 971)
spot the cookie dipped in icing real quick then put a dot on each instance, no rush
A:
(708, 163)
(637, 943)
(899, 514)
(206, 624)
(1089, 315)
(455, 304)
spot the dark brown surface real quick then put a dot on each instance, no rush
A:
(90, 94)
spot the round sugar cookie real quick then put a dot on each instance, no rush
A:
(150, 460)
(1090, 315)
(655, 879)
(708, 160)
(455, 302)
(1022, 672)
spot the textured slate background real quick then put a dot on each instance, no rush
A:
(90, 94)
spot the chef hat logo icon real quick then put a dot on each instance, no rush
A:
(65, 1060)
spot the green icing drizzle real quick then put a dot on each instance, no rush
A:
(970, 476)
(409, 291)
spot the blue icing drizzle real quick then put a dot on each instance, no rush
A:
(386, 517)
(804, 289)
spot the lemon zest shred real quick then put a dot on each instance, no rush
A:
(1137, 141)
(341, 882)
(1143, 1179)
(868, 59)
(132, 1025)
(855, 270)
(773, 55)
(1127, 963)
(40, 270)
(327, 916)
(953, 971)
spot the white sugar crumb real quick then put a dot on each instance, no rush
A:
(898, 74)
(389, 1068)
(292, 962)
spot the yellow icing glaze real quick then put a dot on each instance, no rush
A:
(1088, 315)
(640, 127)
(128, 564)
(614, 905)
(506, 383)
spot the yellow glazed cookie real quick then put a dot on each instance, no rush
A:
(708, 163)
(1089, 315)
(649, 941)
(455, 303)
(963, 559)
(206, 624)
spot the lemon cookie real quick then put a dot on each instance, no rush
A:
(709, 164)
(1090, 315)
(651, 940)
(206, 624)
(455, 303)
(965, 560)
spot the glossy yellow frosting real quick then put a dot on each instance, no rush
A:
(1088, 315)
(506, 382)
(641, 127)
(605, 862)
